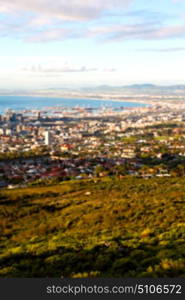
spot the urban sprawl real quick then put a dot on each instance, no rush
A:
(59, 143)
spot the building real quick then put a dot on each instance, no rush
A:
(48, 138)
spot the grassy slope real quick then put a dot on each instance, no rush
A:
(130, 227)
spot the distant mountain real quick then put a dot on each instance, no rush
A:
(141, 86)
(146, 88)
(135, 86)
(131, 90)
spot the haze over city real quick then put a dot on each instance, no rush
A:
(46, 44)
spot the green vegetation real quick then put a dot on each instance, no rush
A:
(106, 227)
(39, 152)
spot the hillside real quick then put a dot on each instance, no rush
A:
(107, 227)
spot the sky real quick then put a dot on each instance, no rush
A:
(77, 43)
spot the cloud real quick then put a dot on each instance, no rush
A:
(102, 33)
(39, 21)
(51, 34)
(59, 66)
(65, 68)
(63, 9)
(48, 20)
(144, 31)
(177, 31)
(109, 70)
(170, 49)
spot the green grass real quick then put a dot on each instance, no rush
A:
(105, 227)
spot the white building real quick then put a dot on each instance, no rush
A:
(48, 138)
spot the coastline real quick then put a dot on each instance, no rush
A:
(87, 97)
(141, 99)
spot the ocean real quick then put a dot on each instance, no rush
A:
(19, 103)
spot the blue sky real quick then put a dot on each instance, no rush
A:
(45, 43)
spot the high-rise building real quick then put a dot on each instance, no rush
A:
(48, 138)
(38, 115)
(19, 128)
(8, 131)
(11, 116)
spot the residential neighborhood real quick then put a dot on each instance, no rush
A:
(61, 143)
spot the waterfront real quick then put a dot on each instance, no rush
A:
(23, 102)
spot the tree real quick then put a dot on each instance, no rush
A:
(121, 169)
(180, 170)
(99, 170)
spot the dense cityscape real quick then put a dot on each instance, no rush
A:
(59, 143)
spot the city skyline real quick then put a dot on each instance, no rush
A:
(88, 43)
